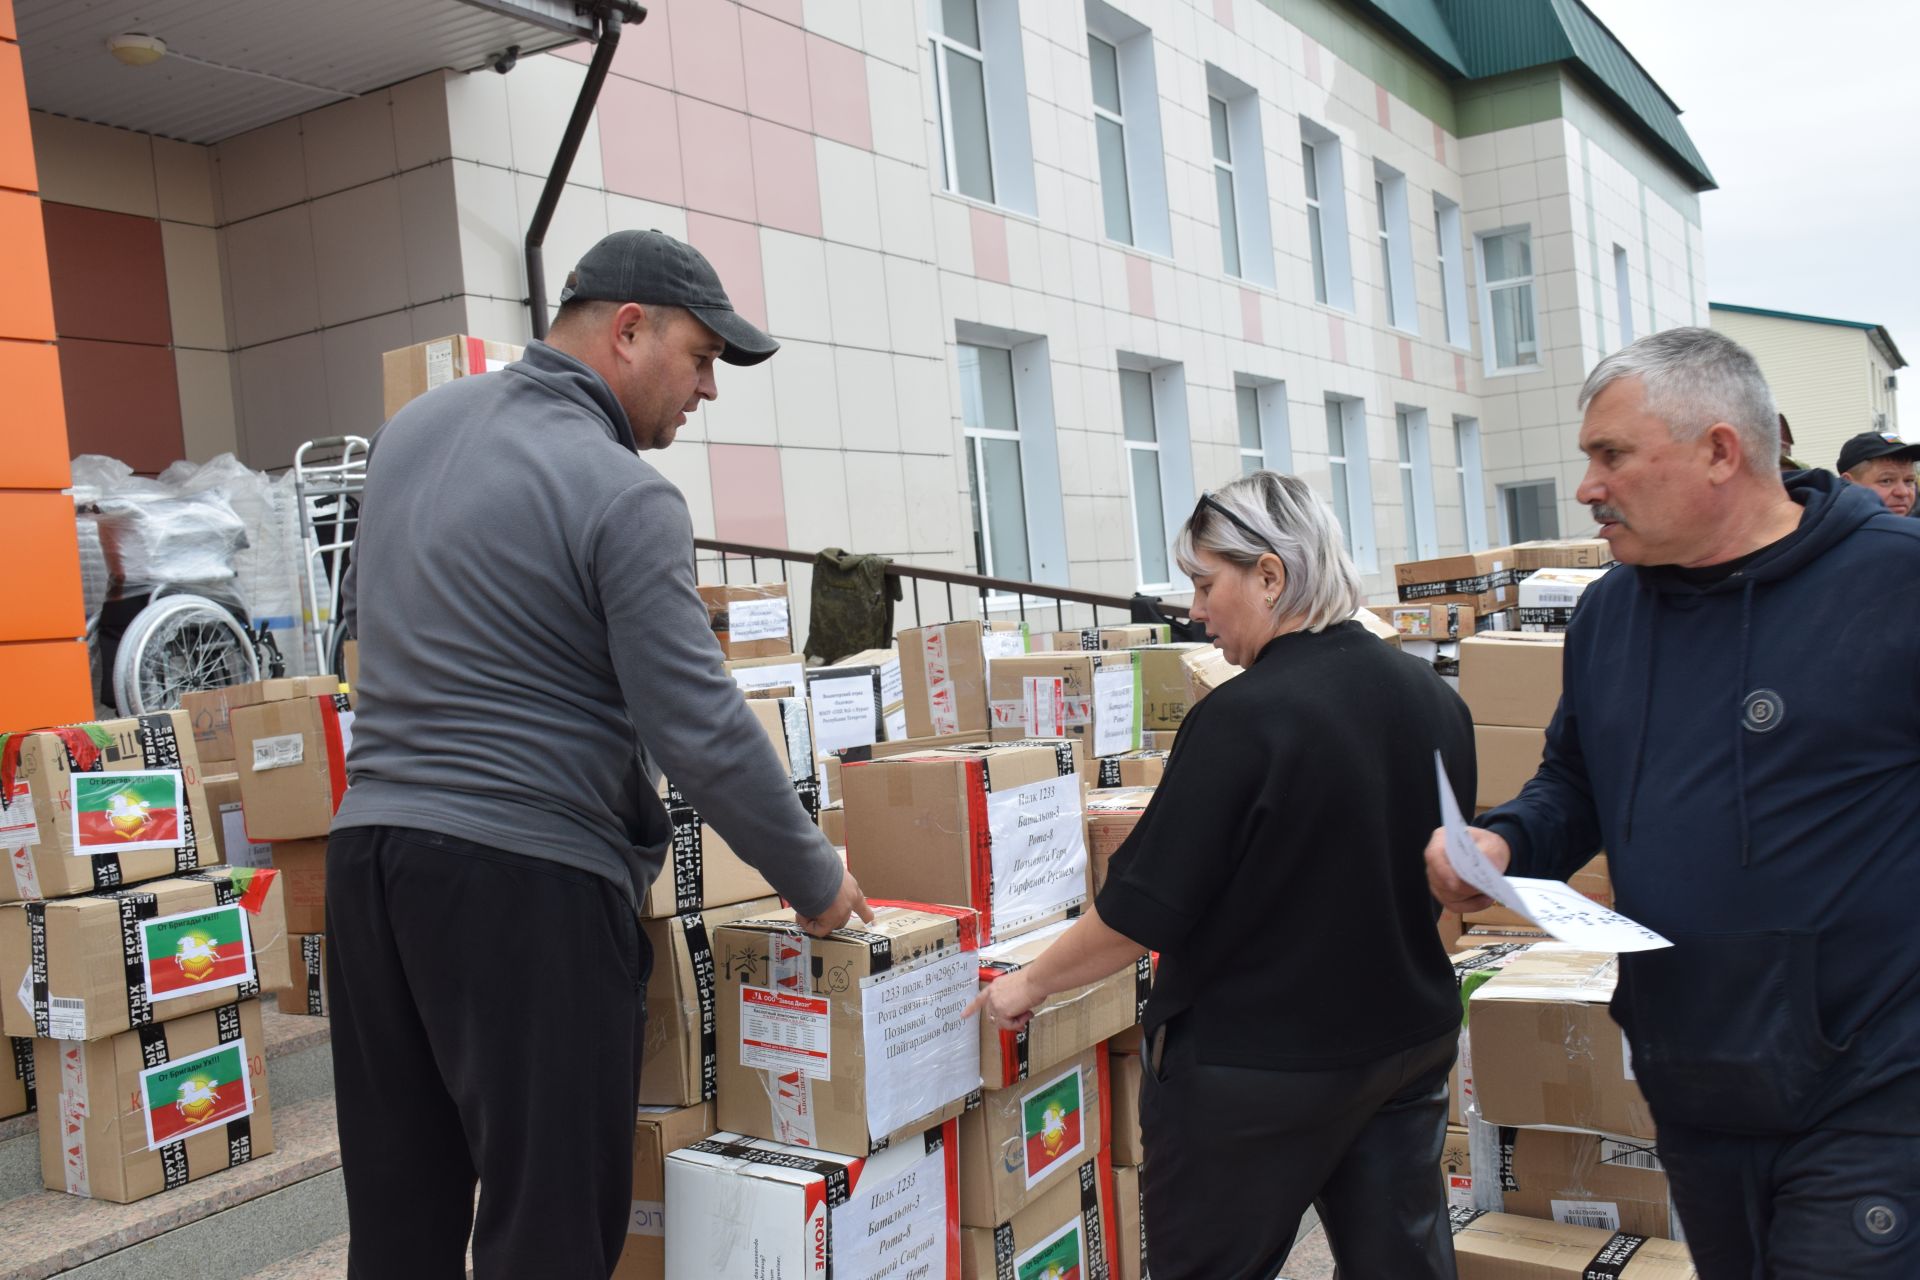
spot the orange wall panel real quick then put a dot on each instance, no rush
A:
(44, 682)
(43, 568)
(26, 298)
(7, 29)
(35, 454)
(16, 139)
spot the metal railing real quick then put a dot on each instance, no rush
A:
(1002, 596)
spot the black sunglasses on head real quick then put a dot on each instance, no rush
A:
(1207, 502)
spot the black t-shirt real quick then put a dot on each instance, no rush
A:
(1279, 869)
(1707, 575)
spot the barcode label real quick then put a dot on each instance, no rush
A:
(66, 1018)
(1601, 1214)
(1628, 1154)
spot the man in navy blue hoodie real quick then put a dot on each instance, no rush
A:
(1737, 731)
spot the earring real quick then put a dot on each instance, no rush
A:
(1269, 600)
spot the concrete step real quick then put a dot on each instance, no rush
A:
(325, 1261)
(299, 1068)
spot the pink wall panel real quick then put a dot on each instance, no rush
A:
(749, 504)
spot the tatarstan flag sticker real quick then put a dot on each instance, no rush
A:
(1061, 1256)
(1051, 1117)
(123, 812)
(196, 1094)
(195, 951)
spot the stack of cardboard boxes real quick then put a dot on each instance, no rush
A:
(136, 959)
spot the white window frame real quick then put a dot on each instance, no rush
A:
(1246, 169)
(1230, 204)
(973, 436)
(945, 46)
(1132, 447)
(1333, 270)
(1489, 287)
(1470, 471)
(1246, 396)
(1453, 280)
(1134, 51)
(1415, 452)
(1356, 468)
(1042, 507)
(1506, 494)
(1270, 414)
(1623, 292)
(1119, 120)
(1004, 85)
(1396, 249)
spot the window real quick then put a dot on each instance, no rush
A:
(1326, 216)
(1528, 512)
(980, 92)
(1506, 267)
(1141, 429)
(992, 427)
(1623, 286)
(1110, 134)
(1396, 247)
(1453, 282)
(1416, 481)
(1349, 479)
(1240, 178)
(1386, 242)
(1260, 413)
(1253, 454)
(1223, 186)
(1467, 470)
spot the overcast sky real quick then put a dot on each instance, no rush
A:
(1809, 118)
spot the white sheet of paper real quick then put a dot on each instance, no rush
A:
(1560, 910)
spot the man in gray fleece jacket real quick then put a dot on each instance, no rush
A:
(523, 594)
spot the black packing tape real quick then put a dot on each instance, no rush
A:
(239, 1141)
(1093, 1231)
(1507, 1137)
(173, 1165)
(227, 1020)
(879, 950)
(312, 960)
(689, 857)
(1063, 760)
(37, 967)
(107, 872)
(153, 1045)
(839, 1186)
(1020, 1054)
(1109, 772)
(1003, 1252)
(1142, 986)
(937, 1138)
(700, 952)
(23, 1067)
(1459, 1220)
(134, 908)
(1612, 1259)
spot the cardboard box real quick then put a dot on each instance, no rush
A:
(1015, 1144)
(1594, 1180)
(302, 867)
(786, 671)
(1133, 635)
(1456, 1168)
(680, 1062)
(831, 762)
(1160, 739)
(657, 1133)
(702, 870)
(1067, 1231)
(142, 811)
(96, 966)
(842, 1042)
(893, 711)
(1130, 1223)
(750, 619)
(140, 1113)
(350, 671)
(1473, 966)
(307, 963)
(1483, 579)
(1546, 1051)
(1426, 621)
(995, 828)
(1066, 1023)
(1134, 769)
(211, 711)
(17, 1096)
(1111, 817)
(1592, 880)
(741, 1209)
(1173, 680)
(413, 371)
(229, 825)
(944, 676)
(1564, 553)
(293, 770)
(833, 825)
(851, 701)
(1548, 597)
(1095, 697)
(1377, 627)
(1124, 1099)
(1512, 678)
(1508, 759)
(1501, 1246)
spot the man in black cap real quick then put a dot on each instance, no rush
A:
(523, 594)
(1882, 462)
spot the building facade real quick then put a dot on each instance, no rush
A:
(1043, 270)
(1832, 378)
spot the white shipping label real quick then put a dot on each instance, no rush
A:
(649, 1218)
(757, 620)
(1459, 1191)
(893, 1225)
(18, 830)
(896, 724)
(1043, 703)
(942, 709)
(844, 713)
(920, 1053)
(1113, 711)
(1601, 1214)
(783, 675)
(1039, 851)
(346, 734)
(439, 363)
(1003, 644)
(283, 752)
(1626, 1057)
(241, 852)
(891, 690)
(1629, 1153)
(783, 1032)
(66, 1018)
(26, 877)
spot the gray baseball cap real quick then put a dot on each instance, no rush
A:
(652, 267)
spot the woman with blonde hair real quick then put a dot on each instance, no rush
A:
(1304, 1015)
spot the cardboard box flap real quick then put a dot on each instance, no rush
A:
(1554, 971)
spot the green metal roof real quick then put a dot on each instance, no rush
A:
(1477, 39)
(1877, 332)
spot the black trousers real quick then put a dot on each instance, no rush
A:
(1810, 1206)
(487, 1015)
(1235, 1155)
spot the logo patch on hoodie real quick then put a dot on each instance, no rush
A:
(1763, 711)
